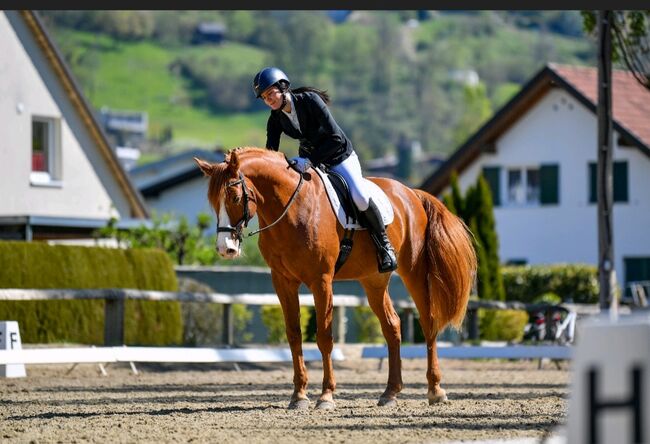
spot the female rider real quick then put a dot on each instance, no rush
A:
(302, 113)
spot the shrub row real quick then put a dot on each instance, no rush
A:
(43, 266)
(576, 283)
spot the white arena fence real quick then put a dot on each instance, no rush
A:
(131, 355)
(114, 351)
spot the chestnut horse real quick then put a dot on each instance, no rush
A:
(436, 258)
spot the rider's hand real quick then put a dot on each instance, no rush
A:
(300, 164)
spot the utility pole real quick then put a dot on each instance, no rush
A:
(606, 271)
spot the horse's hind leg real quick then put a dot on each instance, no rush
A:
(377, 292)
(287, 291)
(324, 305)
(417, 286)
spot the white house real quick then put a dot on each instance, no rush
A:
(58, 175)
(539, 155)
(175, 185)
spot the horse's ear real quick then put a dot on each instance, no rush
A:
(233, 163)
(206, 167)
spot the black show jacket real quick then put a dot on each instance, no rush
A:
(321, 139)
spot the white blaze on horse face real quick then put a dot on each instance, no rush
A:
(226, 245)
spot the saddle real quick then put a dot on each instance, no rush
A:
(343, 205)
(347, 213)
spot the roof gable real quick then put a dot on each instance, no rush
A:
(631, 114)
(63, 74)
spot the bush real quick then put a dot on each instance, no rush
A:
(273, 319)
(203, 321)
(39, 265)
(572, 282)
(502, 325)
(369, 327)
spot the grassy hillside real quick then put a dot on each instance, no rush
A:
(141, 76)
(387, 78)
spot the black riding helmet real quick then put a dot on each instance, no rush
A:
(267, 77)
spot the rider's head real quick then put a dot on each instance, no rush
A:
(270, 84)
(267, 77)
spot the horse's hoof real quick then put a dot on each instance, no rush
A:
(435, 399)
(299, 404)
(325, 405)
(387, 402)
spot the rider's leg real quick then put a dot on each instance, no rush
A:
(350, 169)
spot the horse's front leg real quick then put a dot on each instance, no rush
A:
(324, 304)
(287, 291)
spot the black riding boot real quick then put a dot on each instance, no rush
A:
(386, 258)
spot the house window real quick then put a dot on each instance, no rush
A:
(620, 182)
(44, 151)
(637, 270)
(523, 186)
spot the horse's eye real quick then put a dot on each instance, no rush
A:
(236, 199)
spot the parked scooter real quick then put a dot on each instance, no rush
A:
(535, 329)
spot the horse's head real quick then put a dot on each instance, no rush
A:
(231, 196)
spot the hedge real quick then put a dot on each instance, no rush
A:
(42, 266)
(576, 283)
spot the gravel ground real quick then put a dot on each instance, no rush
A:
(488, 400)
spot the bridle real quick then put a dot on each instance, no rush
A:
(238, 229)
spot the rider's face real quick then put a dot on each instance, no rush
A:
(272, 97)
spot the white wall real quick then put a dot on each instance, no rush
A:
(87, 187)
(560, 130)
(189, 199)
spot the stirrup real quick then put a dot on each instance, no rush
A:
(384, 265)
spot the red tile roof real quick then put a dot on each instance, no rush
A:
(630, 100)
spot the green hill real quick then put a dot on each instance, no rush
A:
(389, 74)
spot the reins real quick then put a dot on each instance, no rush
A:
(243, 222)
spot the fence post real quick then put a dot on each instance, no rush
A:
(472, 323)
(114, 319)
(228, 325)
(408, 330)
(340, 323)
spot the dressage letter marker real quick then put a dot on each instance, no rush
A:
(610, 393)
(10, 340)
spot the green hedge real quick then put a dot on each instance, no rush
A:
(502, 325)
(39, 265)
(572, 282)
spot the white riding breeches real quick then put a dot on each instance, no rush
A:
(350, 169)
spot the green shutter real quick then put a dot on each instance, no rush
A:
(593, 193)
(491, 175)
(620, 181)
(549, 178)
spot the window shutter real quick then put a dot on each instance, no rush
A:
(620, 181)
(491, 175)
(593, 193)
(549, 184)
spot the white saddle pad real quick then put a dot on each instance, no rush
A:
(378, 196)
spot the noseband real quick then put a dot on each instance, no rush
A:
(237, 230)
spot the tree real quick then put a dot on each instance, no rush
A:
(476, 210)
(630, 40)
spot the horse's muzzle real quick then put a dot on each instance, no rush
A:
(228, 247)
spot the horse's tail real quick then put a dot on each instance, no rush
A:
(451, 262)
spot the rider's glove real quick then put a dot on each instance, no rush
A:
(300, 164)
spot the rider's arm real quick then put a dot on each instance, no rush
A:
(273, 133)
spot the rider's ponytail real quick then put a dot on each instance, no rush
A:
(323, 94)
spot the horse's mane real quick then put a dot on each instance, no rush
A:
(245, 152)
(218, 179)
